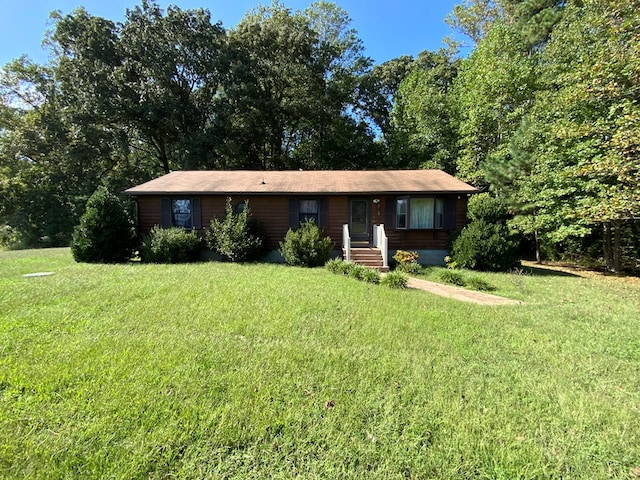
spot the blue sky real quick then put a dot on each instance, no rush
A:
(388, 28)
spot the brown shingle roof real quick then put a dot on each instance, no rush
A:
(302, 182)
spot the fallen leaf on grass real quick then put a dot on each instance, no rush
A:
(330, 404)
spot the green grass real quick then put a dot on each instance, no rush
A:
(217, 370)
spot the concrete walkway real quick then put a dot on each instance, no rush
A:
(460, 294)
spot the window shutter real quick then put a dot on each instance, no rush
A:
(166, 212)
(195, 213)
(390, 213)
(293, 213)
(449, 214)
(323, 214)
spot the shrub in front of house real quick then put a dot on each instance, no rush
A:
(486, 246)
(306, 246)
(106, 233)
(486, 243)
(410, 268)
(236, 237)
(369, 275)
(353, 270)
(337, 266)
(404, 256)
(407, 262)
(170, 245)
(395, 279)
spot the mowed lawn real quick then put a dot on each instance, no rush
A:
(217, 370)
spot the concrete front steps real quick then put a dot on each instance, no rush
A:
(367, 256)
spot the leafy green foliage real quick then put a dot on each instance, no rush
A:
(106, 233)
(170, 245)
(486, 207)
(534, 19)
(454, 277)
(236, 237)
(357, 271)
(306, 246)
(486, 243)
(353, 270)
(485, 246)
(410, 268)
(395, 279)
(423, 134)
(338, 266)
(491, 94)
(7, 236)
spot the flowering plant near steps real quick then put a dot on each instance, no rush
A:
(408, 262)
(403, 256)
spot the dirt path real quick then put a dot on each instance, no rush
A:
(460, 294)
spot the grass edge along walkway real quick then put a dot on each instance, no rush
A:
(460, 294)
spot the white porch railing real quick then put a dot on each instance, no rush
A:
(346, 242)
(381, 241)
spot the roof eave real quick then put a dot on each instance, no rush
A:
(378, 192)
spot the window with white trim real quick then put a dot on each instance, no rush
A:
(420, 213)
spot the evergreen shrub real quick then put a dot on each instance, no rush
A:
(486, 246)
(486, 243)
(106, 233)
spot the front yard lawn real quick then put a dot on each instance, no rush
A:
(218, 370)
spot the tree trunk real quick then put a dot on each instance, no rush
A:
(607, 247)
(537, 240)
(617, 246)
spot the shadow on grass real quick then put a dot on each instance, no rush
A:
(547, 272)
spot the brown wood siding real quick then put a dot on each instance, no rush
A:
(461, 211)
(149, 213)
(273, 214)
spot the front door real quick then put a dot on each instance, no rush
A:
(359, 219)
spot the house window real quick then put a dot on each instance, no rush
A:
(308, 210)
(439, 220)
(181, 213)
(420, 213)
(401, 213)
(304, 209)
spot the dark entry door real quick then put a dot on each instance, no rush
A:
(359, 219)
